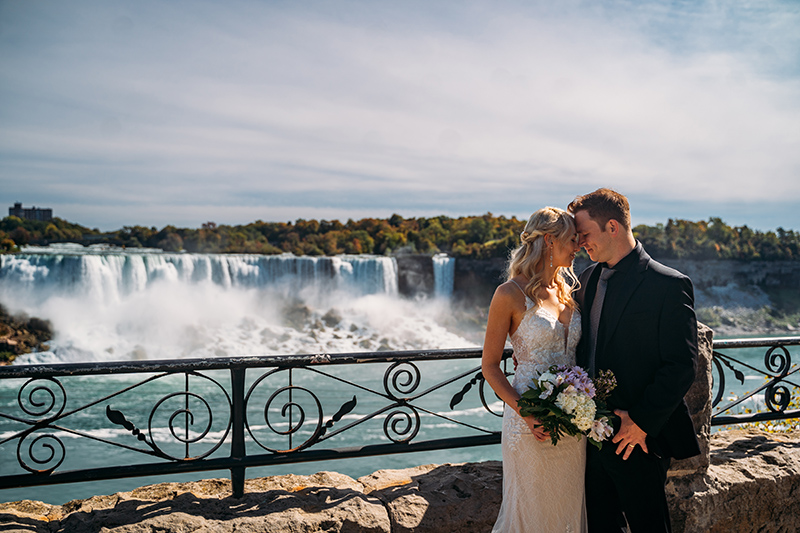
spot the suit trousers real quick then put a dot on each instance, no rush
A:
(632, 490)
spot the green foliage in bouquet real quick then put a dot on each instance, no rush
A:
(554, 420)
(566, 401)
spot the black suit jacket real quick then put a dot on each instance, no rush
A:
(648, 337)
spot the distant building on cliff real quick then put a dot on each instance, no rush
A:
(32, 213)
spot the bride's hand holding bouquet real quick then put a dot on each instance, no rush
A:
(565, 400)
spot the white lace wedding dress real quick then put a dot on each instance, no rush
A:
(542, 484)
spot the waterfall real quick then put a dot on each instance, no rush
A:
(103, 275)
(109, 304)
(444, 268)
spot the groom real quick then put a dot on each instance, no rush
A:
(638, 322)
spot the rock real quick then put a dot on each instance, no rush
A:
(707, 273)
(440, 498)
(21, 334)
(332, 318)
(414, 275)
(29, 512)
(699, 401)
(326, 501)
(475, 280)
(750, 485)
(296, 315)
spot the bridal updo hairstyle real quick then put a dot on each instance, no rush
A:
(531, 256)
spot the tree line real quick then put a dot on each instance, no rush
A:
(478, 237)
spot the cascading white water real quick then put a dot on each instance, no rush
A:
(113, 304)
(444, 268)
(104, 276)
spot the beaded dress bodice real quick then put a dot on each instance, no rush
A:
(541, 341)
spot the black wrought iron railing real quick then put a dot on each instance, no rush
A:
(62, 423)
(773, 391)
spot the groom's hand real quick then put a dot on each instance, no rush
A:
(629, 435)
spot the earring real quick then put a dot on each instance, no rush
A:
(551, 257)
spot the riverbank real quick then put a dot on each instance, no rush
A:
(21, 334)
(749, 486)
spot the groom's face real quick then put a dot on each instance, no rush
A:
(592, 238)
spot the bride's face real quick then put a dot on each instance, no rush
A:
(564, 251)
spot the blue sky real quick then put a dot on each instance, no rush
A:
(180, 112)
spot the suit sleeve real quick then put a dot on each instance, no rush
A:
(676, 349)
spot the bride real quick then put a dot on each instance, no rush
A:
(542, 484)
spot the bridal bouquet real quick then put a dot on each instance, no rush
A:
(566, 401)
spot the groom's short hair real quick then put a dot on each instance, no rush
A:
(603, 205)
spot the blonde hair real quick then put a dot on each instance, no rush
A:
(529, 258)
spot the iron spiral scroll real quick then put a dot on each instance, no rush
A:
(44, 399)
(777, 396)
(195, 410)
(401, 424)
(302, 403)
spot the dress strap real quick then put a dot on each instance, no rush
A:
(518, 286)
(528, 301)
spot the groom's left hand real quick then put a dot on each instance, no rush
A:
(629, 435)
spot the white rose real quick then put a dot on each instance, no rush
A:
(567, 401)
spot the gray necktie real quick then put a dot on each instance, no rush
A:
(594, 315)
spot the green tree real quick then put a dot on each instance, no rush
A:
(168, 239)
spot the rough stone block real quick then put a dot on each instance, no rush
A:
(699, 401)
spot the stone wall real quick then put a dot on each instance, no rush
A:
(750, 485)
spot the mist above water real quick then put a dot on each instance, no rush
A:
(110, 305)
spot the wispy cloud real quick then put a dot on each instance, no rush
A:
(152, 113)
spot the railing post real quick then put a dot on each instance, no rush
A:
(237, 431)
